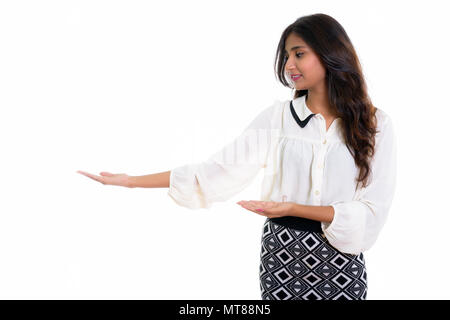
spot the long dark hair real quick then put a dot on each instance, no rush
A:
(347, 90)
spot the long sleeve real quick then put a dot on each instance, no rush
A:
(228, 171)
(357, 223)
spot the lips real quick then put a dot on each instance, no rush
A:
(295, 76)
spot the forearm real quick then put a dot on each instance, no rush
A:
(155, 180)
(318, 213)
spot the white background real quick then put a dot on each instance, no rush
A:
(141, 87)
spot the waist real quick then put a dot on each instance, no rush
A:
(297, 223)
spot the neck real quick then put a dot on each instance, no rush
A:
(318, 103)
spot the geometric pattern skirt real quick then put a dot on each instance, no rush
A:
(302, 265)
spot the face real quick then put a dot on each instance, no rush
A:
(304, 61)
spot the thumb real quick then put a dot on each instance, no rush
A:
(107, 174)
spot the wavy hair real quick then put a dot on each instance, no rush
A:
(347, 89)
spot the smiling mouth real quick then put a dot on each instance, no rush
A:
(296, 77)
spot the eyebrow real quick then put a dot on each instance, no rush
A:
(296, 47)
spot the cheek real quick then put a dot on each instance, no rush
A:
(312, 69)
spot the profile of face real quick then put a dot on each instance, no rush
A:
(301, 59)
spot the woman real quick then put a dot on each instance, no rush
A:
(329, 159)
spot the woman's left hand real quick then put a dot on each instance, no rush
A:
(270, 209)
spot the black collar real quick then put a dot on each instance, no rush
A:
(302, 123)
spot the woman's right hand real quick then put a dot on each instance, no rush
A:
(119, 179)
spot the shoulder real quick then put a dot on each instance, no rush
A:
(385, 127)
(267, 115)
(277, 105)
(273, 109)
(384, 120)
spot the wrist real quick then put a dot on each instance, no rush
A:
(292, 209)
(130, 182)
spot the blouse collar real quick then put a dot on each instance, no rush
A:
(300, 111)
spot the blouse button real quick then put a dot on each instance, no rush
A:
(317, 192)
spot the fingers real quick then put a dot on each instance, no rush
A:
(107, 174)
(269, 209)
(252, 206)
(92, 176)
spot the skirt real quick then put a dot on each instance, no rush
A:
(301, 264)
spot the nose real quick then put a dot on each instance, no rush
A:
(291, 70)
(289, 61)
(289, 67)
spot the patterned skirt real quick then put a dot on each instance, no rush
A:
(298, 263)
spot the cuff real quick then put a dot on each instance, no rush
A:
(346, 231)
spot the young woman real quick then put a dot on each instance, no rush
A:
(329, 159)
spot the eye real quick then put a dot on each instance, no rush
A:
(297, 55)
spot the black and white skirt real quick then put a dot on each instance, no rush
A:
(298, 263)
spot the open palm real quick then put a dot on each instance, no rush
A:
(270, 209)
(119, 179)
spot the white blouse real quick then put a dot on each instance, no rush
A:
(308, 165)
